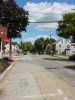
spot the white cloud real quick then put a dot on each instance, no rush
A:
(45, 11)
(39, 36)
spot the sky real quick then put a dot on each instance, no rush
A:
(41, 11)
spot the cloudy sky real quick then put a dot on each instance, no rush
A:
(44, 11)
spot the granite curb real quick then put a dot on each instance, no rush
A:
(61, 56)
(6, 71)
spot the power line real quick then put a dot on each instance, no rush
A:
(44, 13)
(52, 21)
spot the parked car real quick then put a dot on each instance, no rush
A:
(25, 53)
(72, 57)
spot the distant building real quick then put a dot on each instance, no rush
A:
(15, 48)
(63, 46)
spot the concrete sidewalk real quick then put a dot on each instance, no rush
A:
(28, 80)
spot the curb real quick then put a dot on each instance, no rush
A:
(60, 56)
(16, 56)
(6, 71)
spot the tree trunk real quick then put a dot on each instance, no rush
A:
(10, 49)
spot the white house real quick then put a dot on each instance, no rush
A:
(63, 46)
(15, 48)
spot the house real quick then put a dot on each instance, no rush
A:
(63, 46)
(15, 48)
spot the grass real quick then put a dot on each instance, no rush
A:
(63, 55)
(4, 63)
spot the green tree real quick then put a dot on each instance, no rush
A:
(26, 46)
(66, 27)
(29, 46)
(14, 43)
(14, 18)
(48, 41)
(39, 44)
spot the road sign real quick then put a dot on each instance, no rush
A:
(6, 40)
(3, 32)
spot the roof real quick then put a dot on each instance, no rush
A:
(60, 40)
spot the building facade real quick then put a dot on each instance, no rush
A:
(15, 48)
(63, 46)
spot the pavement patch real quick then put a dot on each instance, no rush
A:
(1, 92)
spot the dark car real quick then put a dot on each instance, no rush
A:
(25, 53)
(72, 57)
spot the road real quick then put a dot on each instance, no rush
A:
(61, 66)
(31, 78)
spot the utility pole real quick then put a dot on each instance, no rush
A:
(21, 44)
(50, 42)
(50, 36)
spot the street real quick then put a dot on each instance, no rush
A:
(60, 66)
(34, 78)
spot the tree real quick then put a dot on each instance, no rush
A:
(66, 27)
(13, 17)
(29, 46)
(14, 43)
(26, 46)
(48, 41)
(39, 44)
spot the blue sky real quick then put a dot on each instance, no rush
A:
(44, 10)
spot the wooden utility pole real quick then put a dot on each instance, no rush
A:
(10, 48)
(50, 42)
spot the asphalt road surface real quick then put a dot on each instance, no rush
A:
(64, 68)
(32, 78)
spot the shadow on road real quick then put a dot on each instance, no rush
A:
(70, 67)
(56, 59)
(52, 68)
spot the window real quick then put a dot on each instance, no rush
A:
(59, 51)
(68, 46)
(65, 42)
(73, 51)
(61, 41)
(59, 45)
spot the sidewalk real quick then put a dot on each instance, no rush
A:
(28, 80)
(61, 56)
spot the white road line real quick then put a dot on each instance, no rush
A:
(31, 58)
(58, 93)
(27, 58)
(23, 58)
(66, 98)
(19, 58)
(36, 58)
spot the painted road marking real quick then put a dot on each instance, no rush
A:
(29, 58)
(66, 98)
(58, 93)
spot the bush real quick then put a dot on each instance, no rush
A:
(4, 63)
(63, 53)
